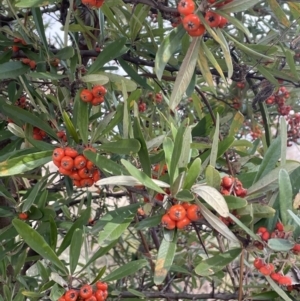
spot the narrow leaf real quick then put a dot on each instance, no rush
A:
(185, 73)
(36, 242)
(75, 249)
(285, 196)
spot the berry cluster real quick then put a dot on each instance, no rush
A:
(277, 233)
(87, 293)
(294, 128)
(280, 98)
(38, 134)
(95, 96)
(181, 215)
(232, 186)
(16, 48)
(93, 3)
(268, 269)
(191, 22)
(70, 163)
(29, 62)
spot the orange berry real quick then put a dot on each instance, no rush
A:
(199, 31)
(32, 65)
(279, 226)
(86, 95)
(71, 152)
(258, 263)
(193, 213)
(99, 294)
(84, 173)
(91, 298)
(90, 165)
(56, 163)
(25, 61)
(97, 100)
(86, 182)
(58, 154)
(96, 175)
(75, 176)
(183, 223)
(267, 269)
(186, 7)
(23, 216)
(296, 249)
(71, 295)
(98, 91)
(167, 222)
(275, 276)
(86, 291)
(177, 212)
(101, 286)
(186, 205)
(62, 298)
(227, 182)
(67, 162)
(65, 172)
(80, 162)
(261, 230)
(265, 236)
(77, 183)
(285, 281)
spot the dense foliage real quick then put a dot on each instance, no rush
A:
(143, 155)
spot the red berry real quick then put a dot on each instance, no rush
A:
(86, 95)
(98, 91)
(71, 152)
(267, 269)
(265, 236)
(258, 263)
(223, 22)
(86, 291)
(101, 286)
(86, 182)
(71, 295)
(58, 154)
(167, 222)
(212, 18)
(23, 216)
(191, 22)
(193, 212)
(183, 223)
(197, 32)
(67, 162)
(177, 212)
(275, 276)
(227, 182)
(285, 281)
(186, 7)
(279, 226)
(261, 230)
(296, 249)
(80, 162)
(99, 294)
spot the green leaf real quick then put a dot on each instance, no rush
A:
(285, 196)
(46, 75)
(136, 21)
(82, 118)
(32, 3)
(237, 122)
(238, 6)
(184, 195)
(216, 263)
(75, 249)
(95, 79)
(204, 67)
(213, 177)
(123, 146)
(32, 195)
(78, 224)
(270, 159)
(212, 197)
(216, 223)
(116, 226)
(98, 254)
(39, 25)
(215, 143)
(192, 174)
(18, 165)
(104, 164)
(36, 242)
(270, 181)
(65, 53)
(279, 13)
(141, 176)
(110, 52)
(28, 117)
(165, 257)
(12, 69)
(143, 152)
(166, 50)
(185, 74)
(280, 245)
(127, 269)
(149, 222)
(235, 202)
(70, 127)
